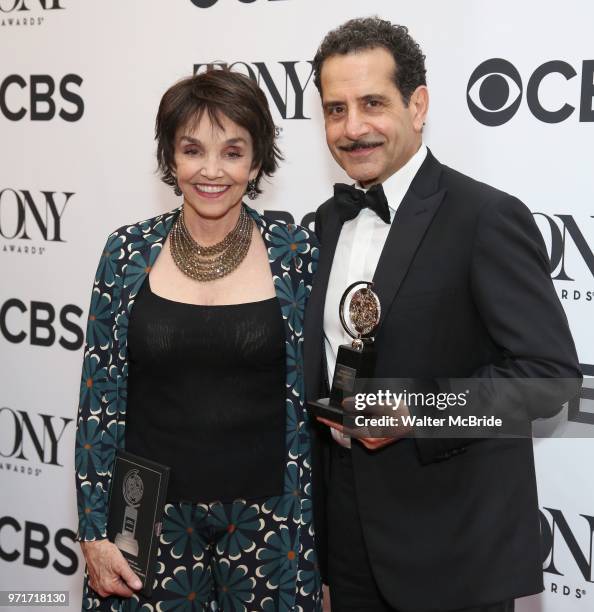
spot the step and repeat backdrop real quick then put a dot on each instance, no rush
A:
(512, 96)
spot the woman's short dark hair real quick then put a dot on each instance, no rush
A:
(216, 92)
(371, 33)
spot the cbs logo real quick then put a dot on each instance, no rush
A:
(41, 96)
(495, 91)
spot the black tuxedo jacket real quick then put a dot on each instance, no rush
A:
(465, 288)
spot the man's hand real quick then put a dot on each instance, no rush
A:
(109, 572)
(370, 443)
(375, 442)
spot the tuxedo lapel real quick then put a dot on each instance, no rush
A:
(314, 314)
(412, 219)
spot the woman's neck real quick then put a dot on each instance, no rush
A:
(207, 231)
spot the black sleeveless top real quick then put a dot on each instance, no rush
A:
(206, 396)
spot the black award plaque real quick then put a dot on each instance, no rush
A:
(136, 501)
(355, 361)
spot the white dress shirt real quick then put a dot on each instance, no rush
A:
(358, 250)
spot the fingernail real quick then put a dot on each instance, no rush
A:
(137, 584)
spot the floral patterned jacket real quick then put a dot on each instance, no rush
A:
(125, 262)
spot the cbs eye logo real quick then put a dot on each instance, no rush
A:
(209, 3)
(494, 92)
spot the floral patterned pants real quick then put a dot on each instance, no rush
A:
(232, 557)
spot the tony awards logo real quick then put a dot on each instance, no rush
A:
(133, 489)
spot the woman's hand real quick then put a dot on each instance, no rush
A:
(109, 573)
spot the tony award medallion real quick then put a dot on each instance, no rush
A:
(132, 490)
(359, 313)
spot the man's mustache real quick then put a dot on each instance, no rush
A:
(359, 144)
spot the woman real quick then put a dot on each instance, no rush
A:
(193, 360)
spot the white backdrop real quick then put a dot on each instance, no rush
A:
(80, 82)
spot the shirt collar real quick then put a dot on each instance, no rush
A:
(396, 185)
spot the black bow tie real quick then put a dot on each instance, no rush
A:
(351, 200)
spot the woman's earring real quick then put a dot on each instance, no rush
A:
(176, 189)
(252, 190)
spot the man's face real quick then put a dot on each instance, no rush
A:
(370, 132)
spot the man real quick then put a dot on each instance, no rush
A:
(409, 523)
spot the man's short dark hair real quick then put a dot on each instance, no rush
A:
(371, 33)
(217, 92)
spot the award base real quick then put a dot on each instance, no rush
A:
(351, 365)
(325, 409)
(127, 544)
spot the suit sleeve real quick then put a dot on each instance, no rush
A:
(318, 226)
(321, 215)
(511, 285)
(96, 432)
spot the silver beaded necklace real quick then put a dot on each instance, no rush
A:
(207, 263)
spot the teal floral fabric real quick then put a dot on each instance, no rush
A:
(287, 556)
(233, 557)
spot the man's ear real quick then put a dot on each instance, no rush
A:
(419, 106)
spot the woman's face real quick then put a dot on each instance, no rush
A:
(213, 165)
